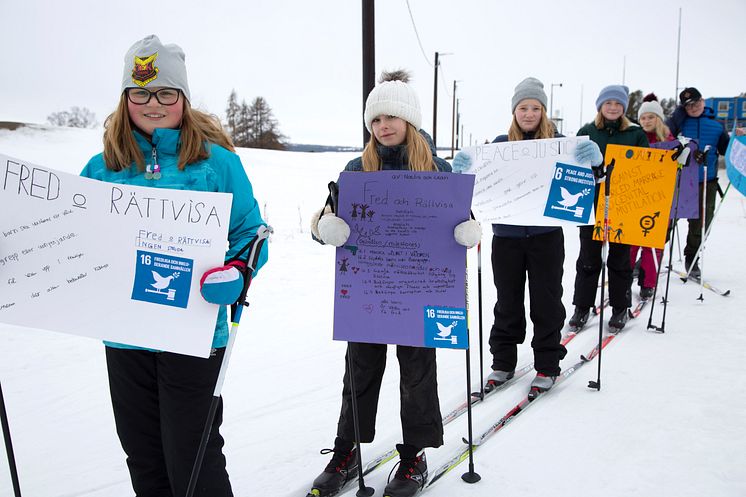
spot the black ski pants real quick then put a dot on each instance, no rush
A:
(588, 269)
(161, 401)
(541, 257)
(694, 235)
(421, 421)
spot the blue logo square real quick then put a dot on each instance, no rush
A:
(446, 327)
(162, 279)
(571, 194)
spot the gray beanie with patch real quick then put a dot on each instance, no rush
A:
(150, 63)
(529, 88)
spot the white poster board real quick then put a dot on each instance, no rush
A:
(513, 179)
(109, 261)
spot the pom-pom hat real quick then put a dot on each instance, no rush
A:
(150, 63)
(650, 105)
(393, 97)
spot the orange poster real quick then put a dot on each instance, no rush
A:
(640, 194)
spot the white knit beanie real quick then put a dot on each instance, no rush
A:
(652, 107)
(393, 97)
(151, 63)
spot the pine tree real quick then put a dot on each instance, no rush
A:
(263, 127)
(635, 101)
(232, 114)
(254, 125)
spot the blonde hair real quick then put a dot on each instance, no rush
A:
(600, 122)
(419, 155)
(197, 129)
(544, 130)
(662, 131)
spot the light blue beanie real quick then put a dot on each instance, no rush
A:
(619, 93)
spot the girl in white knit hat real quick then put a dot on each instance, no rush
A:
(392, 115)
(651, 117)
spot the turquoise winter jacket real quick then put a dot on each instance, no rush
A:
(221, 172)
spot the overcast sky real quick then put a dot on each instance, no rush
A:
(304, 56)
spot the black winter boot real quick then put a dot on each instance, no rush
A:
(410, 477)
(619, 317)
(646, 293)
(580, 317)
(341, 469)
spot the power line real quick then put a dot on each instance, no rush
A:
(414, 26)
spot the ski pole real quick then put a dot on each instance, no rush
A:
(481, 340)
(254, 247)
(710, 224)
(604, 252)
(472, 476)
(682, 157)
(362, 491)
(9, 446)
(704, 228)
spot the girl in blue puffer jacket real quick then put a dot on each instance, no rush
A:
(161, 399)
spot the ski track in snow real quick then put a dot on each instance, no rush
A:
(668, 420)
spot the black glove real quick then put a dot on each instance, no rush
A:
(699, 156)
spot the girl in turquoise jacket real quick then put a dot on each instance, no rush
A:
(161, 399)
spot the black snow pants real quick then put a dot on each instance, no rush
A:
(421, 421)
(160, 402)
(541, 257)
(588, 269)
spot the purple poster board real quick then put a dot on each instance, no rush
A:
(689, 188)
(401, 263)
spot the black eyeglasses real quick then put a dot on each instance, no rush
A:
(164, 96)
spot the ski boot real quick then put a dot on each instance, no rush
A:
(646, 293)
(619, 317)
(579, 318)
(341, 469)
(410, 476)
(497, 378)
(541, 384)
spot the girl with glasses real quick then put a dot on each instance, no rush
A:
(161, 400)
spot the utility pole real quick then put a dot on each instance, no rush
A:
(678, 54)
(551, 100)
(458, 122)
(435, 106)
(369, 56)
(453, 120)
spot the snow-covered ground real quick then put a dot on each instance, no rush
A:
(668, 421)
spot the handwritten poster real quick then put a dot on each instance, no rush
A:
(401, 277)
(109, 261)
(640, 196)
(688, 203)
(513, 179)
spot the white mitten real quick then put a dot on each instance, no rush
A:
(315, 218)
(333, 230)
(468, 233)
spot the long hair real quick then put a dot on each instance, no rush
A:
(197, 129)
(600, 122)
(544, 130)
(662, 132)
(419, 155)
